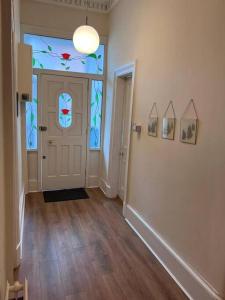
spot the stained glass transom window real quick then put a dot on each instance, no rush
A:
(96, 114)
(31, 118)
(59, 54)
(65, 110)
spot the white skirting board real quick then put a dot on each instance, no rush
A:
(193, 285)
(106, 188)
(33, 185)
(20, 231)
(92, 181)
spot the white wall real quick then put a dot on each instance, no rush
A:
(40, 16)
(177, 188)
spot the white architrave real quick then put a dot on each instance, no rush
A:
(122, 72)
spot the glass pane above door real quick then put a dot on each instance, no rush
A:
(59, 54)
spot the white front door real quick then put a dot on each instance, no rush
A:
(124, 136)
(63, 132)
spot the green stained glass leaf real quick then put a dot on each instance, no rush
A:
(95, 120)
(41, 66)
(92, 103)
(100, 69)
(100, 116)
(31, 117)
(83, 62)
(93, 55)
(35, 100)
(49, 48)
(33, 61)
(43, 51)
(67, 68)
(63, 64)
(99, 56)
(96, 98)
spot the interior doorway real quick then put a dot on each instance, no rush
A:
(63, 131)
(124, 78)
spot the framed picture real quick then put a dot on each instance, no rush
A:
(168, 125)
(168, 128)
(153, 126)
(153, 121)
(188, 131)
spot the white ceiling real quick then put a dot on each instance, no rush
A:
(103, 6)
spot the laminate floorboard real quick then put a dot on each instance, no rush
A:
(84, 250)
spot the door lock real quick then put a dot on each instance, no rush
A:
(43, 157)
(43, 128)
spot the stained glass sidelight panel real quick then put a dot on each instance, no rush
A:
(96, 114)
(31, 118)
(65, 110)
(59, 54)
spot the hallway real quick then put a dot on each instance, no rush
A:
(85, 250)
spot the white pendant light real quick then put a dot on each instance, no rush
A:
(85, 38)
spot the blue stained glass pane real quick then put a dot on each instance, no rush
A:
(31, 118)
(65, 110)
(96, 114)
(59, 54)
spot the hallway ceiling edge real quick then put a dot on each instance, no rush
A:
(103, 6)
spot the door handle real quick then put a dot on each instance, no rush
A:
(43, 157)
(43, 128)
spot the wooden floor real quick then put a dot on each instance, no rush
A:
(85, 250)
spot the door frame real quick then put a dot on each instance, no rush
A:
(39, 150)
(63, 34)
(125, 131)
(124, 71)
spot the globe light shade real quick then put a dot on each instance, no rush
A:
(86, 39)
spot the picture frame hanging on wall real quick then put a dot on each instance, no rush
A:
(169, 123)
(153, 121)
(189, 125)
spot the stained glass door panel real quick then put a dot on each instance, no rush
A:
(65, 114)
(31, 117)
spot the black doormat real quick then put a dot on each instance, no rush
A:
(65, 195)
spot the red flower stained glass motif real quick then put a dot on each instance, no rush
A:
(65, 111)
(66, 56)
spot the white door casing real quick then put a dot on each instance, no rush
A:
(63, 150)
(125, 131)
